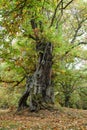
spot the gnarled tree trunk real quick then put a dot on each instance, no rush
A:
(38, 87)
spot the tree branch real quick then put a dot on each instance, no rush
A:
(62, 8)
(19, 81)
(72, 47)
(19, 7)
(68, 4)
(77, 30)
(55, 11)
(5, 81)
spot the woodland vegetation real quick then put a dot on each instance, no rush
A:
(43, 47)
(43, 64)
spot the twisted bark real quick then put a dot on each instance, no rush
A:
(39, 88)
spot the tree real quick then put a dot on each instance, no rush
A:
(70, 76)
(30, 19)
(35, 22)
(74, 40)
(68, 81)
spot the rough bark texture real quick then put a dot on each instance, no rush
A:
(38, 87)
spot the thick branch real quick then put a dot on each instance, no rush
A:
(54, 15)
(55, 11)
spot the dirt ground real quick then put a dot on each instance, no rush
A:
(64, 119)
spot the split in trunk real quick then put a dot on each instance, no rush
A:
(39, 87)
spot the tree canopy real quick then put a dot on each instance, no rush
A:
(25, 22)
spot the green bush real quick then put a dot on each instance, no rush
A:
(9, 96)
(75, 100)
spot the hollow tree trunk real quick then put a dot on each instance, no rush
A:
(39, 87)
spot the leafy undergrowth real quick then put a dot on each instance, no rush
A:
(67, 119)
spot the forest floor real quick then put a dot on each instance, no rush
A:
(64, 119)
